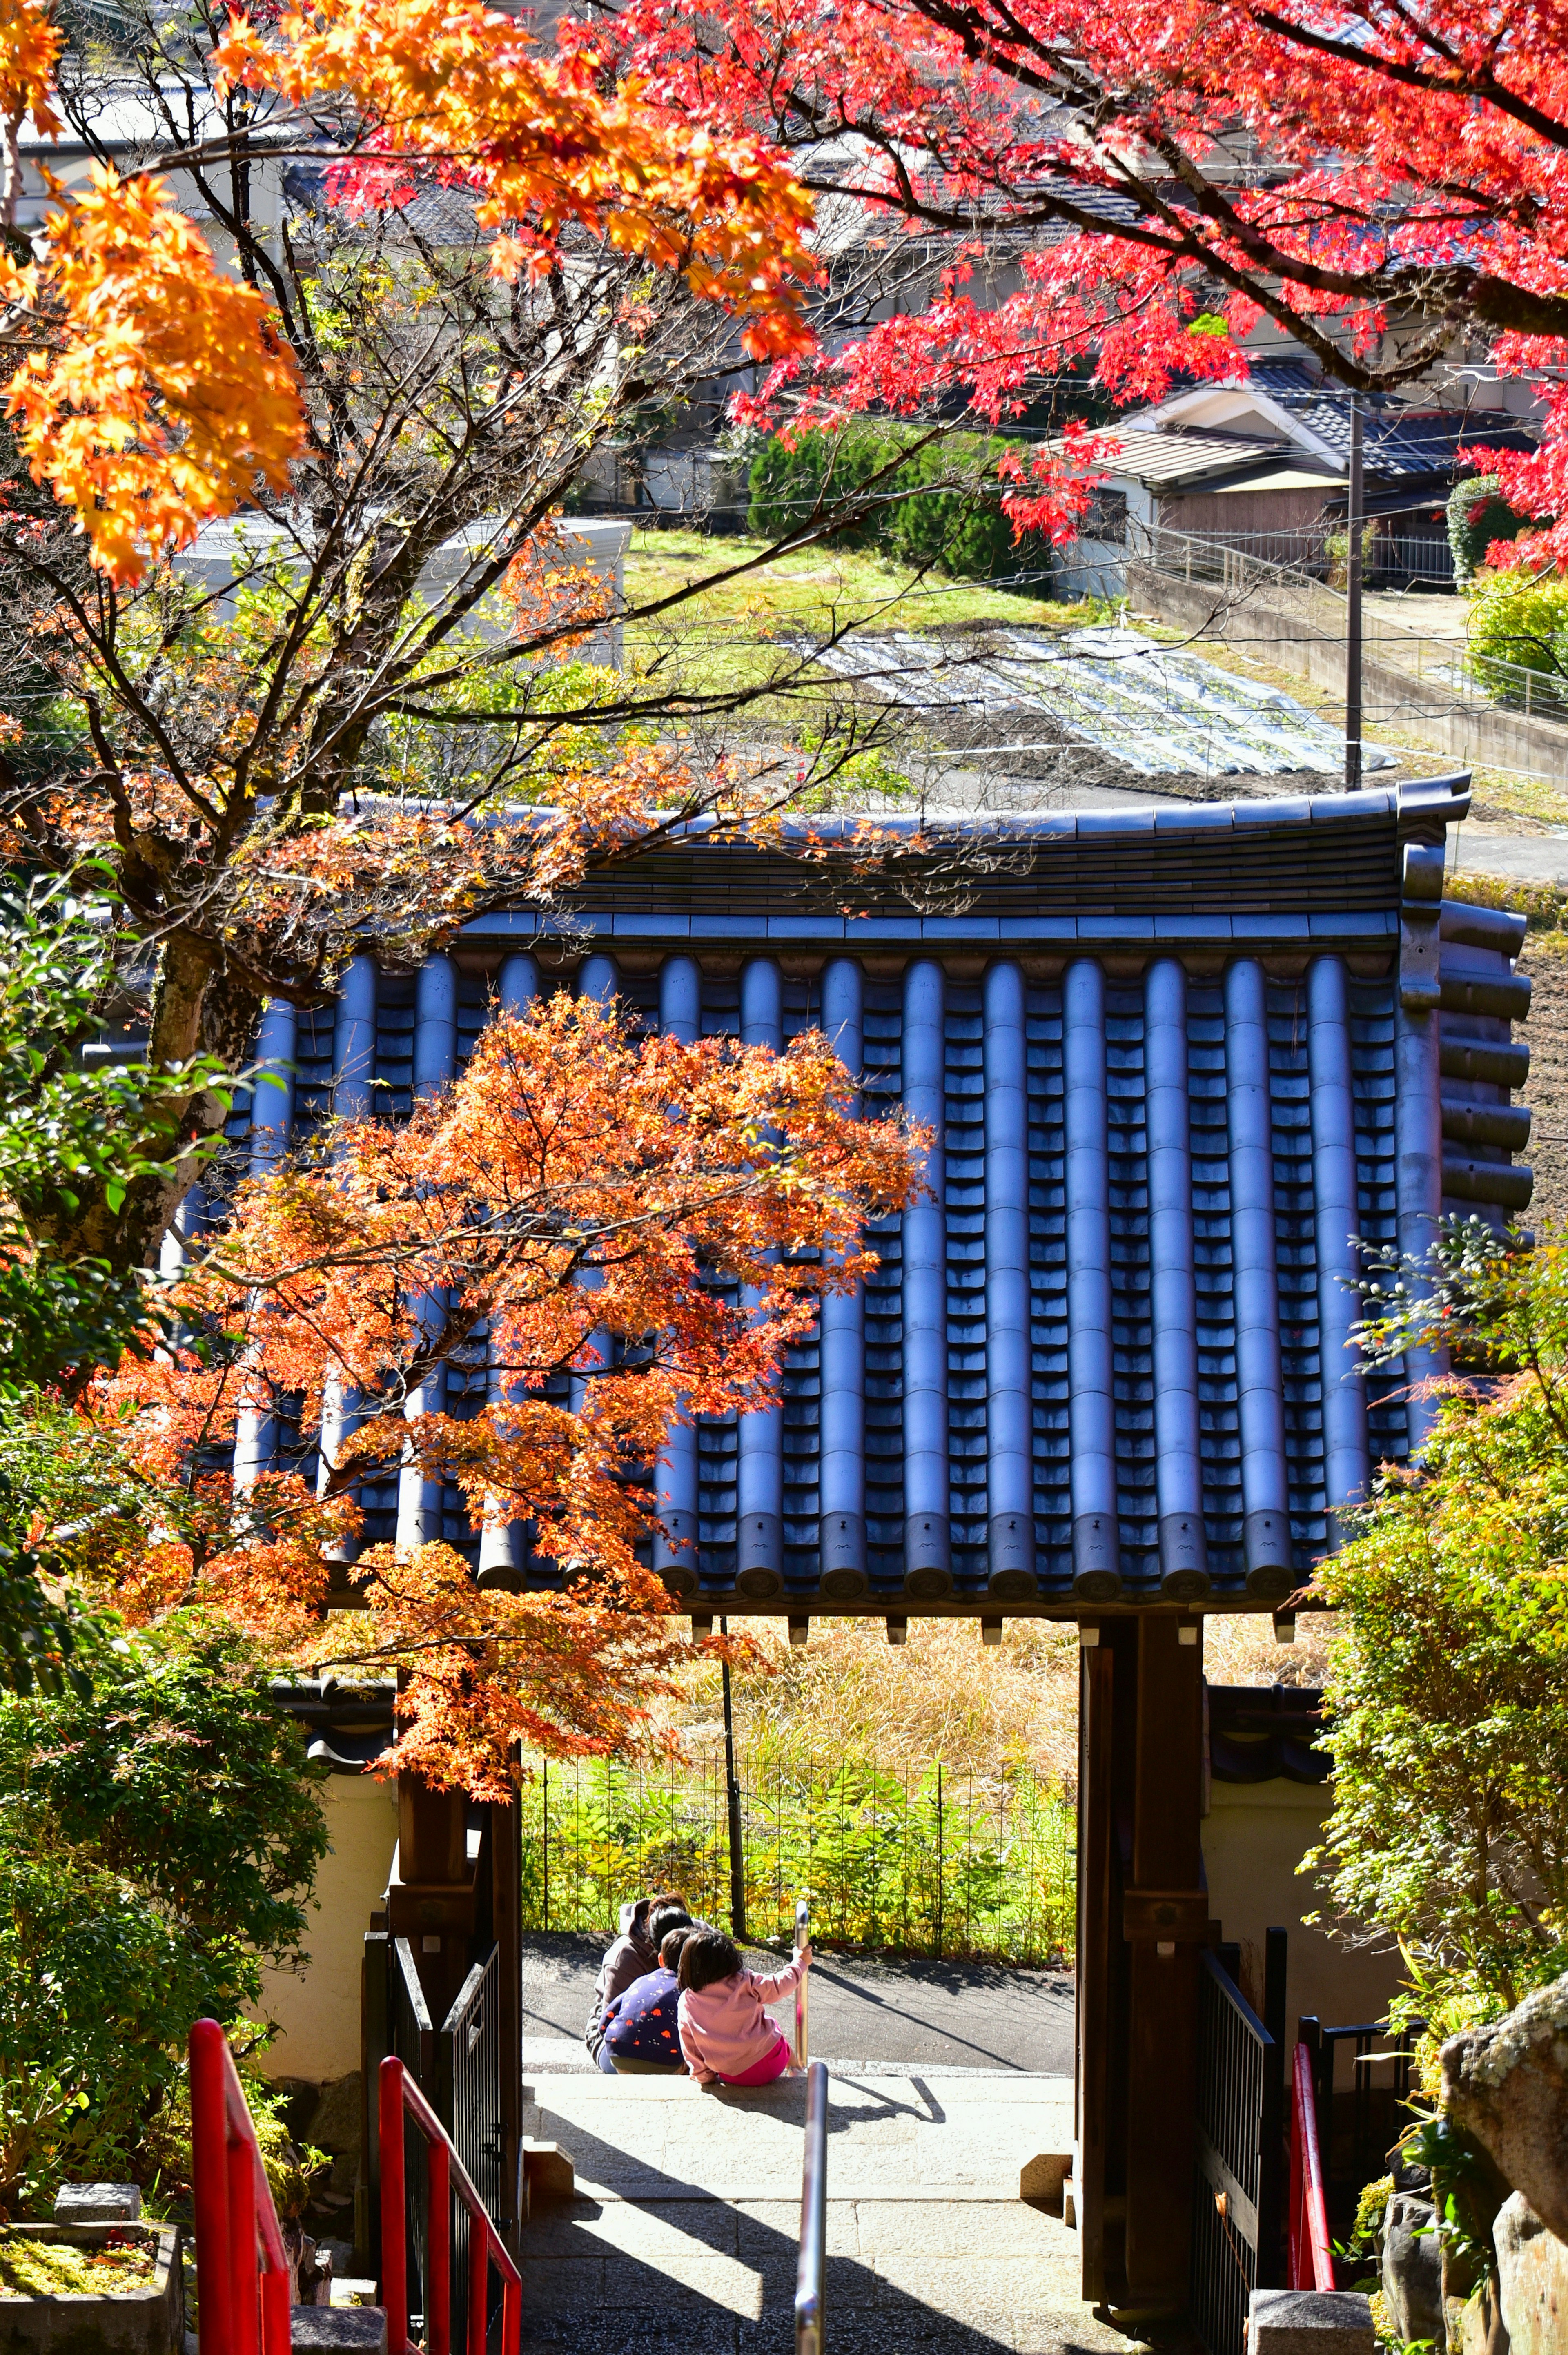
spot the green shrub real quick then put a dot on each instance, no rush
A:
(1446, 1700)
(786, 483)
(961, 528)
(941, 509)
(158, 1845)
(1520, 618)
(1478, 515)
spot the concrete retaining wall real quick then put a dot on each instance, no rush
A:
(1275, 626)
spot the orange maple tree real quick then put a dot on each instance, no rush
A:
(157, 391)
(640, 1228)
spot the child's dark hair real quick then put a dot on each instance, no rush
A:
(664, 1918)
(672, 1941)
(707, 1957)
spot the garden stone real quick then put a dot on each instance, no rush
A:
(128, 2322)
(1411, 2268)
(1533, 2278)
(97, 2203)
(1310, 2322)
(1507, 2085)
(334, 2121)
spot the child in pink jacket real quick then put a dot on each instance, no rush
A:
(725, 2033)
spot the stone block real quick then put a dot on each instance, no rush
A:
(1043, 2179)
(1506, 2085)
(334, 2122)
(1310, 2322)
(337, 2330)
(550, 2171)
(1411, 2268)
(97, 2203)
(1533, 2280)
(124, 2322)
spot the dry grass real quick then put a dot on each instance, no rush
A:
(850, 1694)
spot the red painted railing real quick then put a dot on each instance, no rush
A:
(241, 2273)
(400, 2097)
(1311, 2251)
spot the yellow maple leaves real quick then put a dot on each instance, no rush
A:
(29, 50)
(158, 392)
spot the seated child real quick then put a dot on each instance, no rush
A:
(725, 2033)
(634, 1954)
(641, 2033)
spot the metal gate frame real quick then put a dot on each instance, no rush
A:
(1237, 2208)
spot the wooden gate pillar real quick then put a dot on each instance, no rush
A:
(1143, 1916)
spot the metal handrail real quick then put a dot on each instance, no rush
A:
(1311, 2249)
(241, 2273)
(400, 2097)
(801, 2000)
(811, 2278)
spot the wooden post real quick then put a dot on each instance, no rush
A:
(1096, 1876)
(433, 1901)
(1143, 1916)
(1166, 1922)
(375, 2042)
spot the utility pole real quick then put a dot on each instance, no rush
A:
(1354, 605)
(733, 1787)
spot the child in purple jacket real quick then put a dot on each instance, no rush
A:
(641, 2032)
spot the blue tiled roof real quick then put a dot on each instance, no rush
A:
(1177, 1059)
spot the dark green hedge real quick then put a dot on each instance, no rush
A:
(960, 530)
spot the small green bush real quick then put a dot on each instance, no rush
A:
(1521, 618)
(960, 528)
(1478, 515)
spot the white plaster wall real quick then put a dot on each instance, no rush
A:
(317, 2016)
(1254, 1837)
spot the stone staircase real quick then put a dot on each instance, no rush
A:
(681, 2230)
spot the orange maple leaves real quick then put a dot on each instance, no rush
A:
(594, 1209)
(460, 86)
(159, 392)
(29, 50)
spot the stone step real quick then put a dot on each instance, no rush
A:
(682, 2235)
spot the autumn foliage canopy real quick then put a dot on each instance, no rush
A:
(641, 1229)
(1387, 184)
(156, 391)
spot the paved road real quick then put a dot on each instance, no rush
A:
(1493, 850)
(955, 2015)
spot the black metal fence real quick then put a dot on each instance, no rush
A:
(1236, 2206)
(468, 2103)
(913, 1861)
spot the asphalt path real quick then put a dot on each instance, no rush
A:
(952, 2014)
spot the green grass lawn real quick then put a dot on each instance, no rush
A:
(807, 590)
(738, 634)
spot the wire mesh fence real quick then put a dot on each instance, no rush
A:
(1457, 679)
(918, 1862)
